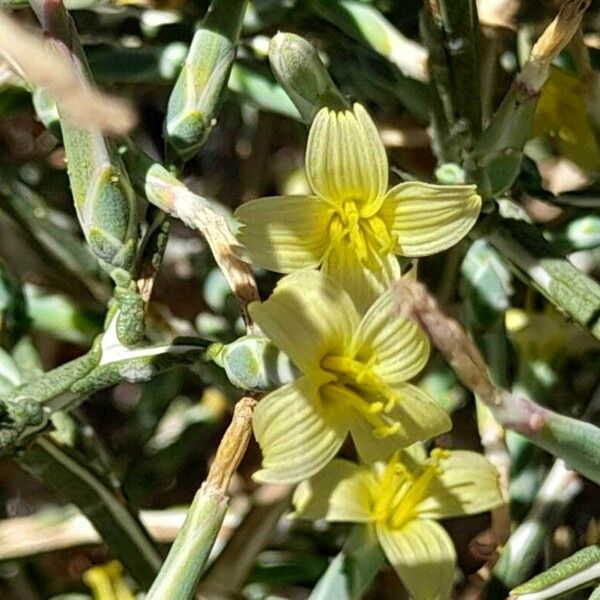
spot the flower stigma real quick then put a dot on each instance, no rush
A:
(400, 491)
(360, 229)
(358, 387)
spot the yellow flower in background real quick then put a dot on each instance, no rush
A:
(107, 582)
(353, 226)
(546, 336)
(354, 374)
(402, 499)
(561, 114)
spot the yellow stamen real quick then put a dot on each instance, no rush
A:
(369, 410)
(355, 380)
(362, 231)
(106, 582)
(387, 489)
(405, 506)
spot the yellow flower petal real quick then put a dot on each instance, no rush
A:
(297, 435)
(345, 158)
(467, 485)
(362, 284)
(401, 346)
(423, 555)
(285, 233)
(561, 115)
(307, 316)
(429, 218)
(419, 418)
(340, 492)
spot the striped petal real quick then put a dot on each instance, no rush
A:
(423, 555)
(401, 346)
(429, 218)
(364, 285)
(467, 484)
(345, 158)
(307, 316)
(285, 233)
(419, 417)
(296, 433)
(340, 492)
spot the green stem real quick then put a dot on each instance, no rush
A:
(187, 558)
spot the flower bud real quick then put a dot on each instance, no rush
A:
(303, 76)
(198, 91)
(254, 363)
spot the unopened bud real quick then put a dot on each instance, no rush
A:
(254, 363)
(198, 91)
(303, 76)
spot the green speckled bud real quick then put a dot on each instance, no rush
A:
(254, 363)
(303, 76)
(107, 214)
(198, 91)
(104, 198)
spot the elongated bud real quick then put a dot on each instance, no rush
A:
(104, 198)
(254, 363)
(198, 91)
(303, 76)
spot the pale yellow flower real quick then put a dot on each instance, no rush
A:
(561, 115)
(402, 499)
(354, 374)
(354, 226)
(107, 582)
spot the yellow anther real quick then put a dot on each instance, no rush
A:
(376, 407)
(367, 234)
(415, 494)
(381, 235)
(107, 583)
(345, 395)
(386, 430)
(439, 453)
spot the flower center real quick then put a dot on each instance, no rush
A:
(356, 386)
(400, 490)
(365, 233)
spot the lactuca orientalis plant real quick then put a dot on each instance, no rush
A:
(335, 349)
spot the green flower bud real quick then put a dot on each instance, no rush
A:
(254, 363)
(303, 76)
(198, 91)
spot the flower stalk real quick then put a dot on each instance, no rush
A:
(190, 551)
